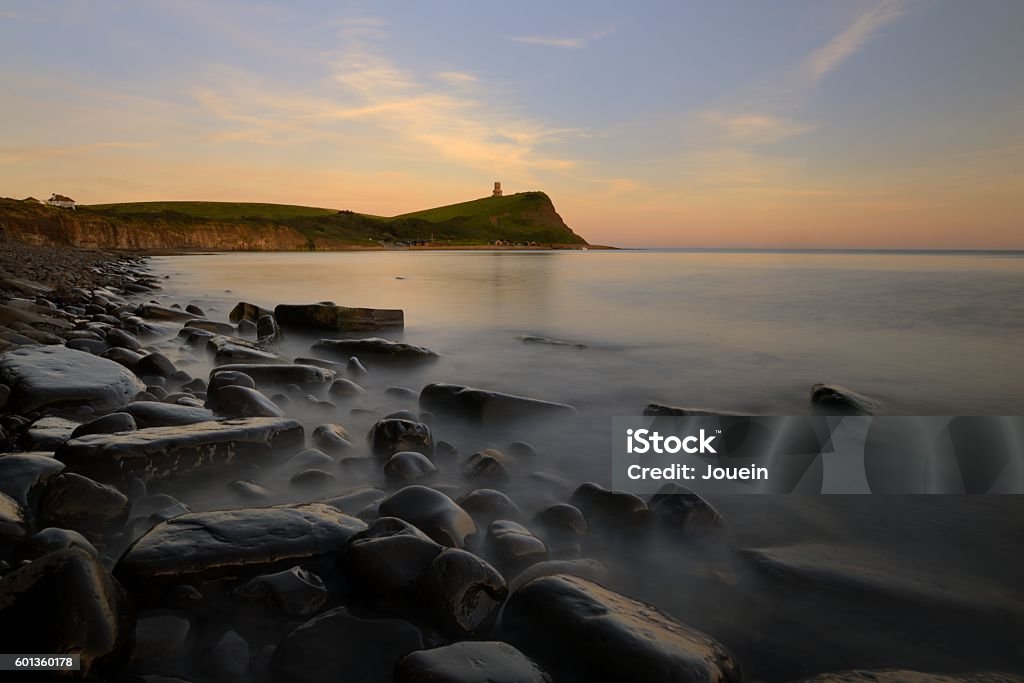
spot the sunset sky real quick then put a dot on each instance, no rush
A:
(892, 123)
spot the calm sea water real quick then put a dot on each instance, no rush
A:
(924, 333)
(922, 582)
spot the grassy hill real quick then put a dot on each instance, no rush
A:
(524, 217)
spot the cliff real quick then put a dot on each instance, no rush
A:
(222, 226)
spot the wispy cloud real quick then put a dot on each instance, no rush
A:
(456, 77)
(564, 42)
(853, 37)
(754, 128)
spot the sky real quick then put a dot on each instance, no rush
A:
(811, 124)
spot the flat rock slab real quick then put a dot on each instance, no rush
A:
(157, 312)
(148, 414)
(340, 318)
(227, 349)
(56, 377)
(610, 637)
(470, 662)
(374, 347)
(480, 405)
(163, 452)
(202, 546)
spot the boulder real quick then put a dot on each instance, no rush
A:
(326, 316)
(238, 401)
(232, 350)
(345, 388)
(147, 414)
(296, 591)
(163, 452)
(246, 311)
(606, 636)
(14, 524)
(312, 478)
(611, 510)
(200, 546)
(408, 466)
(480, 405)
(310, 457)
(23, 476)
(155, 365)
(66, 603)
(462, 594)
(277, 375)
(211, 326)
(332, 438)
(375, 348)
(108, 424)
(338, 645)
(488, 465)
(513, 547)
(46, 433)
(267, 329)
(56, 377)
(487, 505)
(71, 501)
(385, 562)
(125, 357)
(157, 312)
(591, 570)
(51, 540)
(471, 662)
(431, 511)
(680, 510)
(391, 435)
(122, 339)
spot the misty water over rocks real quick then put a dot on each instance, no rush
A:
(353, 516)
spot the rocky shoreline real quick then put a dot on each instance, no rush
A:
(107, 426)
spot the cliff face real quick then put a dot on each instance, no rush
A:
(62, 227)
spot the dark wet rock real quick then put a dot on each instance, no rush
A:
(158, 391)
(96, 348)
(408, 466)
(384, 562)
(250, 490)
(5, 395)
(681, 510)
(487, 505)
(14, 524)
(278, 375)
(121, 339)
(431, 511)
(345, 388)
(211, 326)
(197, 384)
(312, 478)
(152, 414)
(339, 643)
(163, 452)
(563, 528)
(838, 399)
(227, 659)
(605, 636)
(355, 368)
(659, 410)
(199, 546)
(389, 436)
(160, 640)
(155, 364)
(54, 377)
(444, 450)
(351, 502)
(51, 540)
(23, 476)
(124, 357)
(233, 350)
(310, 457)
(237, 401)
(247, 328)
(71, 501)
(402, 392)
(538, 339)
(462, 594)
(339, 318)
(613, 510)
(376, 349)
(66, 603)
(267, 329)
(470, 662)
(195, 310)
(512, 546)
(402, 415)
(487, 465)
(227, 378)
(109, 424)
(247, 311)
(480, 405)
(332, 438)
(157, 312)
(591, 570)
(296, 591)
(46, 433)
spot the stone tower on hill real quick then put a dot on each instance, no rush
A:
(497, 189)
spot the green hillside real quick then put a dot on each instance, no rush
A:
(524, 217)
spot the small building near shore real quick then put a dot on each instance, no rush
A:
(61, 201)
(31, 200)
(497, 189)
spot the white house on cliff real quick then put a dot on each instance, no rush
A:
(61, 201)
